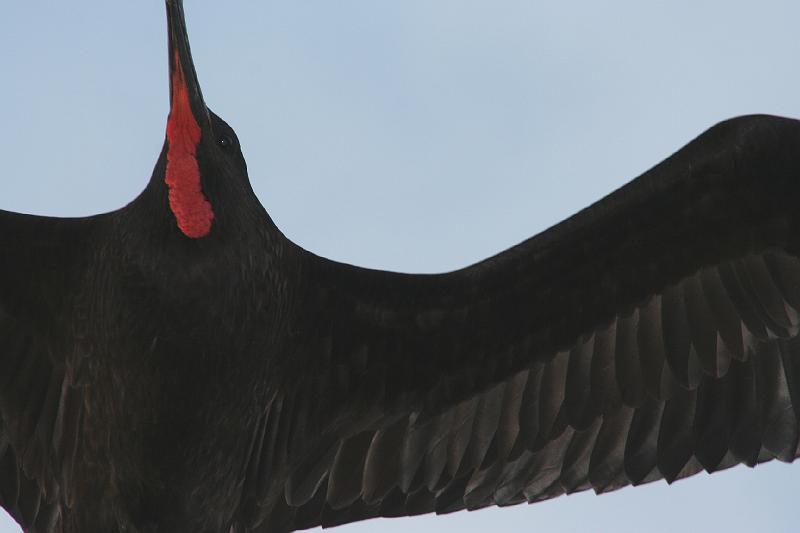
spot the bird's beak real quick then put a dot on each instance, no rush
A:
(184, 87)
(188, 118)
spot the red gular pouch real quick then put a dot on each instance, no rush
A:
(191, 208)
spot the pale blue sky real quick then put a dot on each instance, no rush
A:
(417, 135)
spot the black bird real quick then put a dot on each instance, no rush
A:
(179, 365)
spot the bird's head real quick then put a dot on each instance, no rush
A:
(202, 152)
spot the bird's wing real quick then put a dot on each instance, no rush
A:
(650, 336)
(42, 261)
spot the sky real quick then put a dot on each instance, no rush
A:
(413, 135)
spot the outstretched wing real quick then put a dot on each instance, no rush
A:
(650, 336)
(42, 261)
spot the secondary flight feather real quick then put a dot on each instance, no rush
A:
(179, 365)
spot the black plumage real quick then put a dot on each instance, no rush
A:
(156, 376)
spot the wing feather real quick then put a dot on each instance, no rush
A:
(41, 266)
(651, 336)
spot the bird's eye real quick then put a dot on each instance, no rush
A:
(224, 141)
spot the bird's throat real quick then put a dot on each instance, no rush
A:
(192, 210)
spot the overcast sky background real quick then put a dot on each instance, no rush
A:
(413, 135)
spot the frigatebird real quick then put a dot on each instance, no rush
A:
(132, 365)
